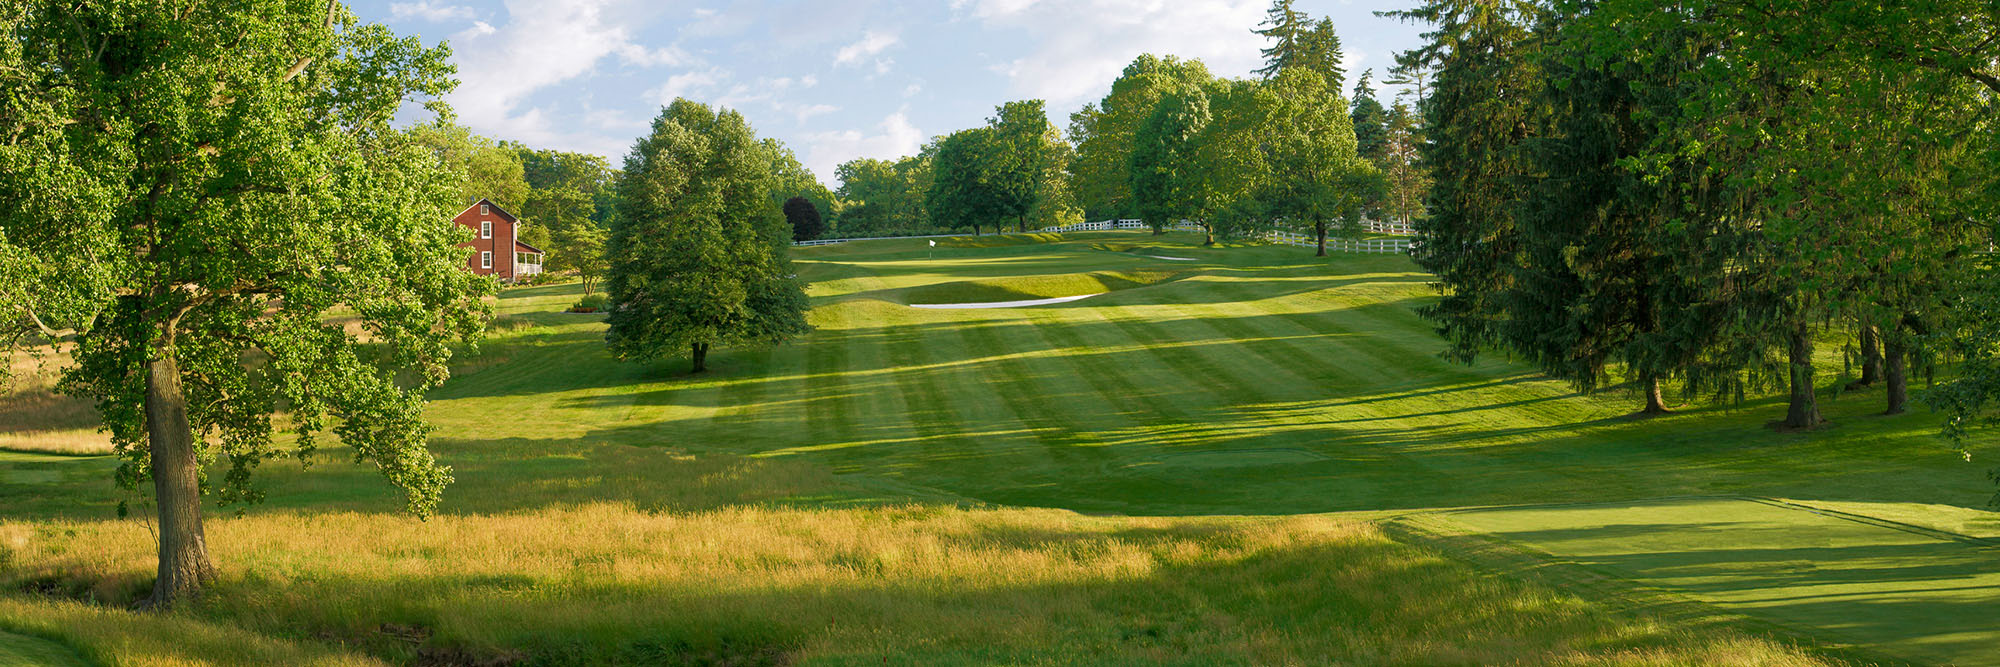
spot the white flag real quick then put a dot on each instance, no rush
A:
(933, 243)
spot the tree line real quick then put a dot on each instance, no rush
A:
(1702, 195)
(1169, 142)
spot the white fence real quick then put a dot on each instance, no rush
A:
(1099, 226)
(1400, 246)
(1397, 228)
(1396, 246)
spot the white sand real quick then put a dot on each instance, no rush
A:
(1005, 304)
(1172, 259)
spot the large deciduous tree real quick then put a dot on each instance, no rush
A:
(1170, 179)
(962, 192)
(192, 188)
(1027, 160)
(699, 256)
(1104, 132)
(1308, 147)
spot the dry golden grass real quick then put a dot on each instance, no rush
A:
(920, 584)
(125, 639)
(34, 418)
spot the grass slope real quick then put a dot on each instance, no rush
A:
(1141, 477)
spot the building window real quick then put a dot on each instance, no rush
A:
(484, 209)
(486, 229)
(485, 259)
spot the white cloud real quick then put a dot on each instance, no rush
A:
(669, 55)
(686, 84)
(1077, 47)
(825, 151)
(912, 89)
(430, 11)
(806, 112)
(543, 43)
(871, 43)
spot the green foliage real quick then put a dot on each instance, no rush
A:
(1319, 52)
(234, 217)
(1027, 165)
(880, 196)
(1104, 132)
(1371, 122)
(804, 219)
(485, 170)
(1406, 182)
(1315, 175)
(1169, 181)
(1483, 55)
(1284, 26)
(591, 303)
(699, 256)
(793, 179)
(964, 193)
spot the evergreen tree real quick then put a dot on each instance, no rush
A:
(1283, 26)
(1319, 52)
(1475, 121)
(699, 256)
(1371, 122)
(1587, 287)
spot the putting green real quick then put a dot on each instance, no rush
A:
(1917, 593)
(23, 650)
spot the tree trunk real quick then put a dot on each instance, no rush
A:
(1898, 376)
(700, 355)
(184, 564)
(1804, 409)
(1871, 357)
(1656, 402)
(1319, 230)
(1210, 231)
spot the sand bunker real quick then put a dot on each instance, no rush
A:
(1007, 304)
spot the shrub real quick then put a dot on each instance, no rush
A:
(590, 304)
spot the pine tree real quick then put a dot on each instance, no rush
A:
(1371, 132)
(1284, 26)
(1319, 51)
(1476, 123)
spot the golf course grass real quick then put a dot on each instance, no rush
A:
(1247, 458)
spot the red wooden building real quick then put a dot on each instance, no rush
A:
(496, 246)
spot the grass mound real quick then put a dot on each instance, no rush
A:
(1035, 287)
(999, 240)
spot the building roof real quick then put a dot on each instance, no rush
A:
(496, 207)
(523, 247)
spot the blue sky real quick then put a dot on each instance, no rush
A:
(833, 79)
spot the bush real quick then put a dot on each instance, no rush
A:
(590, 304)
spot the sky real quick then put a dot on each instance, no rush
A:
(833, 79)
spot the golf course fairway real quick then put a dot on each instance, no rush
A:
(1207, 462)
